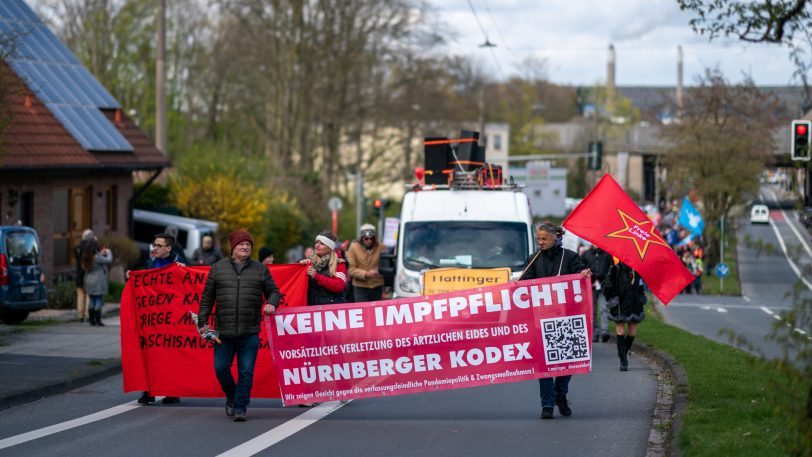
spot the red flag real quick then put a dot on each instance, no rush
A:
(610, 220)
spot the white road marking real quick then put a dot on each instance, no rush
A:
(768, 310)
(78, 422)
(283, 431)
(786, 255)
(721, 310)
(746, 298)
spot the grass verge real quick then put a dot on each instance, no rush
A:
(730, 399)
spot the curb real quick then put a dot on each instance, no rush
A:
(39, 393)
(672, 399)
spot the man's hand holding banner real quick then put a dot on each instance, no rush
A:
(502, 333)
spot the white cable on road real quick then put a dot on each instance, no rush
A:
(283, 431)
(78, 422)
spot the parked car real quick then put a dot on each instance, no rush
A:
(760, 214)
(21, 280)
(147, 224)
(805, 216)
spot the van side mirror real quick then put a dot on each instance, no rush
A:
(386, 267)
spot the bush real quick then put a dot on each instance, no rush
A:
(62, 295)
(114, 290)
(125, 250)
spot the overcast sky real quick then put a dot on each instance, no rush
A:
(573, 37)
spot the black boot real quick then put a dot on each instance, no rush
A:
(629, 341)
(91, 317)
(621, 353)
(98, 318)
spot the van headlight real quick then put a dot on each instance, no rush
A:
(408, 284)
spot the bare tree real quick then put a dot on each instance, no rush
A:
(720, 146)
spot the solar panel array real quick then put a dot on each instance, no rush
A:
(51, 70)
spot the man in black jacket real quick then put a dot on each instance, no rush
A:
(242, 288)
(598, 262)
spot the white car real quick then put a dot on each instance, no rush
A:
(760, 214)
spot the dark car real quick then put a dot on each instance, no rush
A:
(21, 287)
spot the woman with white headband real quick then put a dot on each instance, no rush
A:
(328, 272)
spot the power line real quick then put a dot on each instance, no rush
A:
(496, 26)
(487, 43)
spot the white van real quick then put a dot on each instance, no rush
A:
(464, 228)
(147, 224)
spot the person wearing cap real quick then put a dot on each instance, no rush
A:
(242, 290)
(364, 257)
(266, 255)
(553, 260)
(327, 272)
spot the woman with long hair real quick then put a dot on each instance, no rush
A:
(327, 272)
(95, 261)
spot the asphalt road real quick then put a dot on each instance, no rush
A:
(767, 278)
(482, 421)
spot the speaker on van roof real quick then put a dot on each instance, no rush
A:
(436, 159)
(470, 155)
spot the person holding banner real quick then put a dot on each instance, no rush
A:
(239, 286)
(327, 272)
(159, 256)
(553, 260)
(625, 298)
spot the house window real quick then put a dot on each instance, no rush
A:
(497, 142)
(111, 208)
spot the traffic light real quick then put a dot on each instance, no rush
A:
(595, 155)
(800, 140)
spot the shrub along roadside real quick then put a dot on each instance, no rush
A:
(732, 398)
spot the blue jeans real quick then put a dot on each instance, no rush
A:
(552, 388)
(96, 302)
(245, 349)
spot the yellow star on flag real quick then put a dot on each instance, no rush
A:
(642, 233)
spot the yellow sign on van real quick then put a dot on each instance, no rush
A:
(443, 280)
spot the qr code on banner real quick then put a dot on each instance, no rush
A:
(565, 339)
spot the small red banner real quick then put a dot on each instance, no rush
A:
(503, 333)
(161, 350)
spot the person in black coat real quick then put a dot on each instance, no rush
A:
(598, 262)
(553, 260)
(242, 288)
(625, 298)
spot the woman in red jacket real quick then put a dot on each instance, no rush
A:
(327, 271)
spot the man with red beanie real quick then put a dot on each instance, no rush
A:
(242, 289)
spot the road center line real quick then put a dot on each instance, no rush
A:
(78, 422)
(283, 431)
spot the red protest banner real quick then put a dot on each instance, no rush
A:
(503, 333)
(161, 350)
(610, 220)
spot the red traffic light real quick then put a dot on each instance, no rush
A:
(378, 203)
(800, 129)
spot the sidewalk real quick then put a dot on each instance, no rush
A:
(55, 354)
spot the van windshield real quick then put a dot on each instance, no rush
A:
(22, 248)
(464, 244)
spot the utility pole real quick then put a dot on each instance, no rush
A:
(160, 80)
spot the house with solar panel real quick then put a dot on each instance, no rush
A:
(67, 150)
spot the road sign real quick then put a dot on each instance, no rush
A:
(722, 270)
(334, 204)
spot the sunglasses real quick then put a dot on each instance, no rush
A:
(368, 238)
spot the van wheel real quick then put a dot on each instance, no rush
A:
(13, 317)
